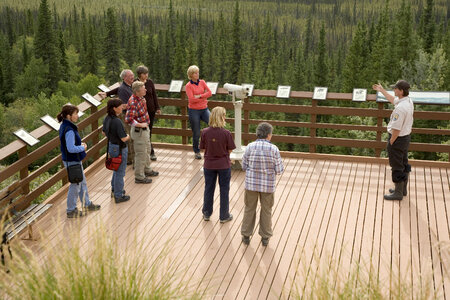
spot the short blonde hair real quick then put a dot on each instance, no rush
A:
(217, 117)
(191, 70)
(136, 86)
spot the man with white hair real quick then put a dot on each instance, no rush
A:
(124, 93)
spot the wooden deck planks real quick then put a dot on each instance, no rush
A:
(327, 215)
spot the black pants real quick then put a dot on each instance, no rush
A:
(398, 157)
(151, 114)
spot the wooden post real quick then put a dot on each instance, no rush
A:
(24, 171)
(245, 128)
(184, 112)
(313, 131)
(94, 126)
(379, 132)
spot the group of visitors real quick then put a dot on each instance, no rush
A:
(128, 127)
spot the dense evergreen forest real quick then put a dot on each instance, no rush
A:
(53, 51)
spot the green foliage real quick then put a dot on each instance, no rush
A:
(111, 46)
(33, 80)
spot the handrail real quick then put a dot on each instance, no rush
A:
(18, 195)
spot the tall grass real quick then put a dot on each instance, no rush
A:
(326, 278)
(99, 269)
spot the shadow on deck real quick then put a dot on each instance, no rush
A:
(328, 213)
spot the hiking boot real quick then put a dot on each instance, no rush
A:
(92, 207)
(405, 187)
(398, 192)
(227, 219)
(144, 181)
(152, 173)
(74, 213)
(112, 193)
(246, 240)
(124, 198)
(265, 241)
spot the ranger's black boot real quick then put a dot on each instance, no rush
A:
(398, 192)
(405, 187)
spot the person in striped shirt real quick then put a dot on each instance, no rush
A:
(261, 163)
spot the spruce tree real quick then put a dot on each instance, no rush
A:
(45, 46)
(111, 47)
(427, 26)
(91, 54)
(355, 63)
(9, 27)
(236, 46)
(25, 53)
(308, 37)
(321, 68)
(64, 64)
(131, 45)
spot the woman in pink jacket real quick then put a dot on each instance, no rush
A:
(198, 93)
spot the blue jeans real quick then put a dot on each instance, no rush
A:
(77, 190)
(195, 115)
(210, 186)
(117, 177)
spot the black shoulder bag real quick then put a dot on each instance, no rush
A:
(74, 172)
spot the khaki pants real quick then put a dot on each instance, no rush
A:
(142, 148)
(265, 217)
(130, 142)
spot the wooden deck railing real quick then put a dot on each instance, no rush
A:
(18, 195)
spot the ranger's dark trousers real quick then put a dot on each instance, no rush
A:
(398, 157)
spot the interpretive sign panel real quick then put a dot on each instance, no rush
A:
(175, 86)
(103, 88)
(320, 93)
(420, 97)
(47, 119)
(88, 97)
(26, 137)
(283, 91)
(359, 95)
(213, 87)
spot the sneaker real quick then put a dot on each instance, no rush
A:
(92, 207)
(227, 219)
(74, 213)
(144, 181)
(265, 241)
(152, 173)
(246, 240)
(205, 217)
(198, 155)
(153, 157)
(124, 198)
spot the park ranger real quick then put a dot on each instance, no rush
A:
(399, 129)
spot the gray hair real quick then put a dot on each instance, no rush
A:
(141, 70)
(124, 73)
(263, 130)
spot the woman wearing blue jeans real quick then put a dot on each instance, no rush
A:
(218, 144)
(117, 138)
(198, 93)
(73, 152)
